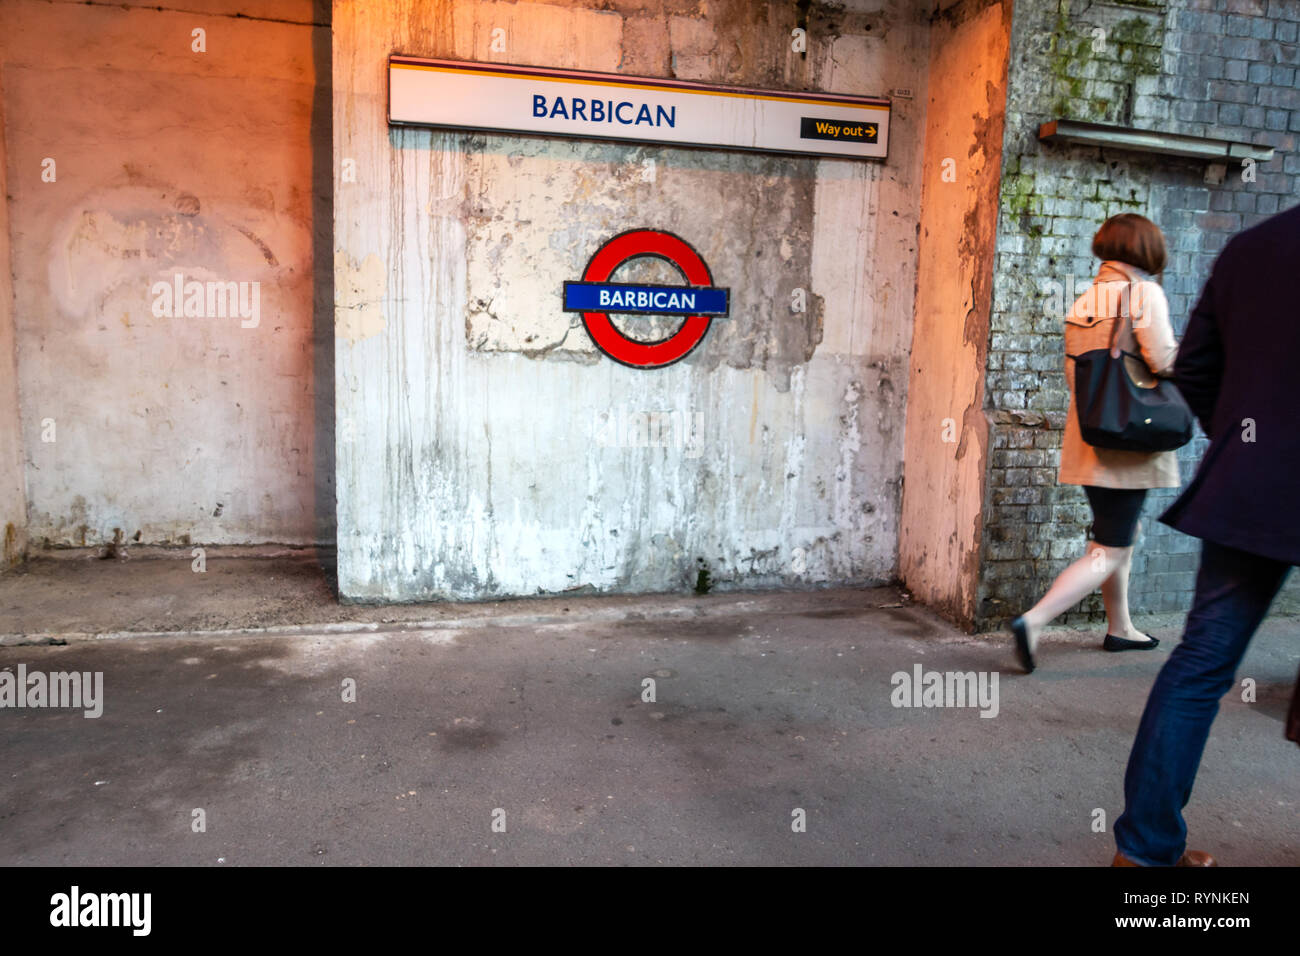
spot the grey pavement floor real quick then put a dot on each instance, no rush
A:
(224, 692)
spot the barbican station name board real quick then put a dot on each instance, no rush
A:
(525, 99)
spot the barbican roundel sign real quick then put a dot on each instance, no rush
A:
(698, 302)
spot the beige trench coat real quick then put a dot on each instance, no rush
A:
(1088, 325)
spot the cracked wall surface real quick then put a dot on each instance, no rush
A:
(485, 448)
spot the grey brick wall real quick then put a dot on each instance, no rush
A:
(1222, 68)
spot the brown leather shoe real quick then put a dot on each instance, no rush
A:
(1190, 858)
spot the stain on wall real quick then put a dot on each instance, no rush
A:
(13, 492)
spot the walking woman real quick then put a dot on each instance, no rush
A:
(1132, 251)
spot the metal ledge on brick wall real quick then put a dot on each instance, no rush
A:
(1151, 141)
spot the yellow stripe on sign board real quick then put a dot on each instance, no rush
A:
(657, 87)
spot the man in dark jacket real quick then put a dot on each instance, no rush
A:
(1236, 368)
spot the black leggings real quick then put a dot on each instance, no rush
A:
(1114, 514)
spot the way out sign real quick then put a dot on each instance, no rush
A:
(595, 296)
(528, 99)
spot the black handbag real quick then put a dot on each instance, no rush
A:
(1116, 412)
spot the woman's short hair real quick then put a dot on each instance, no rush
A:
(1133, 239)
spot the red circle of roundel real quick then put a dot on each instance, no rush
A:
(630, 245)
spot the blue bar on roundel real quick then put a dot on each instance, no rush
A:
(645, 299)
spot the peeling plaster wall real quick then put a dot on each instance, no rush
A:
(947, 432)
(589, 190)
(167, 429)
(485, 448)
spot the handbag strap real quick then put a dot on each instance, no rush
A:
(1123, 312)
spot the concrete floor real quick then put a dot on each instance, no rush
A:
(765, 703)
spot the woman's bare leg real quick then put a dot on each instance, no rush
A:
(1114, 591)
(1073, 585)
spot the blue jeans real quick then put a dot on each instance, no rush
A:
(1233, 592)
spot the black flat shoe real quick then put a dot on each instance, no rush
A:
(1113, 643)
(1023, 654)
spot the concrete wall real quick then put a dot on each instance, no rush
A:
(946, 451)
(13, 497)
(483, 444)
(168, 160)
(1222, 68)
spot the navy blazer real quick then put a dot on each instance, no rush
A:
(1237, 368)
